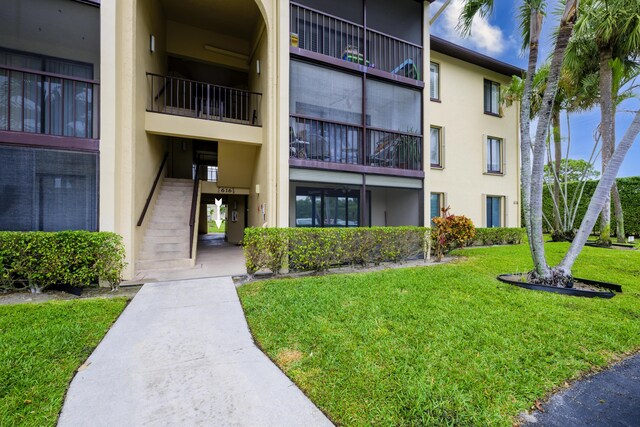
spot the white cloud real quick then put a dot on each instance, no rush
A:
(484, 37)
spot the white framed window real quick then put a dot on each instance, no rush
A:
(437, 147)
(437, 203)
(434, 81)
(494, 211)
(491, 97)
(494, 155)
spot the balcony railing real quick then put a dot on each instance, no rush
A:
(181, 97)
(49, 104)
(311, 139)
(324, 141)
(325, 34)
(394, 150)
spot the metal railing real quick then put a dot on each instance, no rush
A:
(329, 35)
(324, 141)
(393, 55)
(47, 103)
(189, 98)
(326, 34)
(394, 150)
(333, 142)
(153, 189)
(193, 210)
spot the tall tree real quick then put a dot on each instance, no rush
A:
(534, 151)
(612, 29)
(573, 170)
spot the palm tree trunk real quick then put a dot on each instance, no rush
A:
(541, 272)
(599, 197)
(617, 205)
(606, 131)
(615, 195)
(557, 146)
(525, 121)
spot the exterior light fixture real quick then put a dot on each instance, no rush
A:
(152, 43)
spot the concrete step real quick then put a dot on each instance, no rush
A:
(163, 256)
(160, 240)
(162, 216)
(177, 180)
(175, 195)
(165, 247)
(172, 208)
(181, 184)
(160, 225)
(167, 232)
(147, 265)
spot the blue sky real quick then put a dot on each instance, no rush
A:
(499, 36)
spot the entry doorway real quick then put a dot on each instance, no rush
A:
(233, 217)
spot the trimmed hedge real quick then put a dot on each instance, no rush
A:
(37, 260)
(499, 236)
(318, 249)
(629, 189)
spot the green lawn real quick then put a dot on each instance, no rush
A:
(443, 345)
(41, 346)
(214, 229)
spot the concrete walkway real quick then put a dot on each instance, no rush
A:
(215, 258)
(609, 398)
(181, 355)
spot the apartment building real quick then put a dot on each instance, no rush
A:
(132, 116)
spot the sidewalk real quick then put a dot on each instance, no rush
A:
(181, 354)
(609, 398)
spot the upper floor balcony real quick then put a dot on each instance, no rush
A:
(43, 103)
(340, 39)
(336, 145)
(188, 98)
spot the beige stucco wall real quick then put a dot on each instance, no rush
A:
(130, 156)
(149, 148)
(465, 126)
(235, 229)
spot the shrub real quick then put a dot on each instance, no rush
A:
(498, 236)
(318, 249)
(629, 189)
(37, 260)
(451, 231)
(264, 248)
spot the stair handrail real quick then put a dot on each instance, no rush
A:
(153, 189)
(192, 215)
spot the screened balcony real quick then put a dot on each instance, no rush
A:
(341, 143)
(47, 103)
(338, 121)
(325, 34)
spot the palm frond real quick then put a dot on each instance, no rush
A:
(470, 10)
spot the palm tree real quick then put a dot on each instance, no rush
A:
(608, 30)
(531, 15)
(534, 151)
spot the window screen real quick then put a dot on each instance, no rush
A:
(48, 105)
(325, 94)
(394, 108)
(47, 190)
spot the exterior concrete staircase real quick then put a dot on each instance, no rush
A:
(166, 241)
